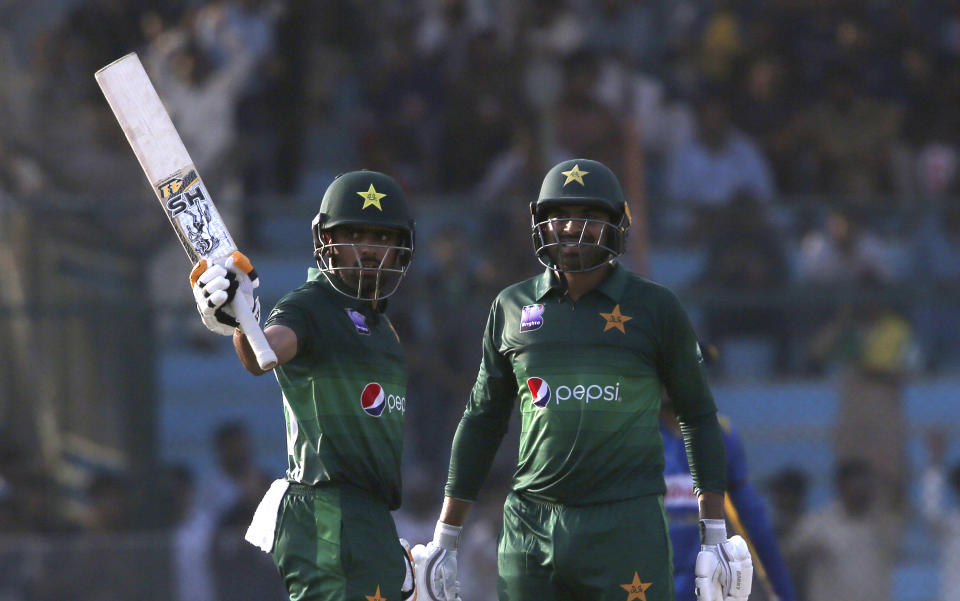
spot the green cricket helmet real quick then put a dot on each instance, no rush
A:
(590, 184)
(371, 199)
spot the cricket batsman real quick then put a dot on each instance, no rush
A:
(343, 377)
(585, 348)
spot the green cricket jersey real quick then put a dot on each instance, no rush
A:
(588, 377)
(344, 393)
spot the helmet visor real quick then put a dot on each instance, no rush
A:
(575, 244)
(362, 270)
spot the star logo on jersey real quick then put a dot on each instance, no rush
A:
(637, 589)
(540, 391)
(615, 319)
(376, 596)
(371, 198)
(373, 400)
(574, 175)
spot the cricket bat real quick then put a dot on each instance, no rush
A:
(174, 178)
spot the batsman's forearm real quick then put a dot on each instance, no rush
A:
(245, 353)
(454, 511)
(282, 340)
(711, 505)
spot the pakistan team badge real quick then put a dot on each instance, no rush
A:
(574, 175)
(531, 318)
(359, 321)
(636, 589)
(371, 198)
(615, 320)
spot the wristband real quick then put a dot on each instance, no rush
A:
(447, 536)
(713, 532)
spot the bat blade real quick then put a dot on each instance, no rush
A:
(170, 171)
(165, 160)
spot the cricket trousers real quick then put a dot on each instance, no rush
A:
(337, 542)
(604, 552)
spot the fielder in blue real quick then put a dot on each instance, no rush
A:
(744, 509)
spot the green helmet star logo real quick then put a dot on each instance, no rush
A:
(574, 175)
(371, 198)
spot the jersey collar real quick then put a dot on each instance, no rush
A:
(612, 287)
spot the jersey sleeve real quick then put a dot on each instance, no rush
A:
(290, 312)
(485, 418)
(680, 362)
(680, 366)
(751, 515)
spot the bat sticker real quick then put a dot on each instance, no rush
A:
(198, 230)
(188, 207)
(180, 192)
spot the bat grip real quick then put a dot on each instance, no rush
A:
(266, 358)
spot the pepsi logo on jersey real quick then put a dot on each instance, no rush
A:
(541, 392)
(374, 400)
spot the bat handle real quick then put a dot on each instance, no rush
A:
(266, 358)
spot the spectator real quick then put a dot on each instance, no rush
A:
(852, 135)
(935, 262)
(235, 475)
(513, 173)
(584, 126)
(746, 254)
(719, 162)
(477, 117)
(402, 137)
(235, 484)
(202, 98)
(873, 347)
(844, 252)
(943, 522)
(788, 490)
(190, 532)
(850, 545)
(634, 31)
(109, 504)
(763, 107)
(721, 41)
(96, 563)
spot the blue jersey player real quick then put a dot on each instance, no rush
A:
(744, 508)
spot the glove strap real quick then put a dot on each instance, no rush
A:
(713, 532)
(447, 536)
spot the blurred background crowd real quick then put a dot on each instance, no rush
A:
(792, 169)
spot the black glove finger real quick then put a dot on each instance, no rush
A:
(225, 318)
(232, 288)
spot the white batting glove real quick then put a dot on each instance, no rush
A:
(215, 286)
(408, 590)
(724, 569)
(436, 564)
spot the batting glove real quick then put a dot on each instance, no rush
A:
(436, 564)
(215, 286)
(724, 569)
(408, 590)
